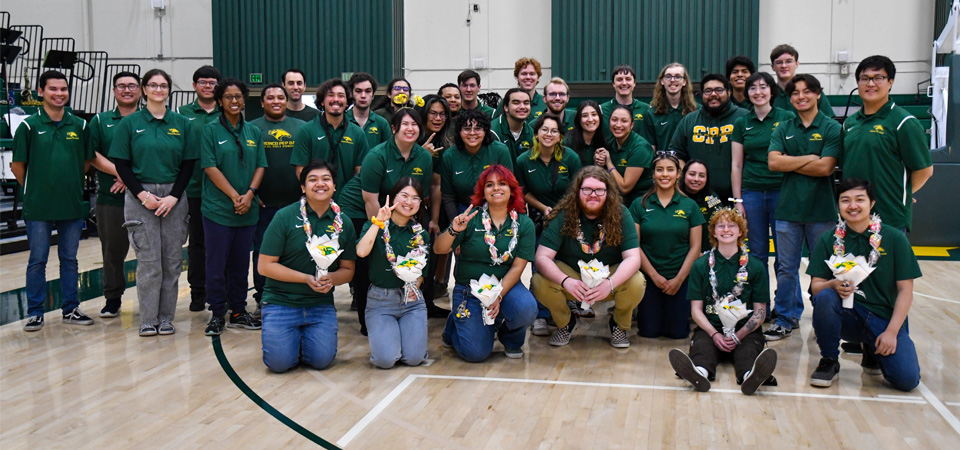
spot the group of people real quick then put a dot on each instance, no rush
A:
(664, 208)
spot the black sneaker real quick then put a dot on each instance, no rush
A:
(777, 332)
(762, 369)
(618, 336)
(827, 371)
(214, 326)
(869, 363)
(244, 320)
(562, 335)
(198, 304)
(683, 366)
(34, 323)
(77, 317)
(111, 309)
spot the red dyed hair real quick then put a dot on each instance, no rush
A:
(516, 192)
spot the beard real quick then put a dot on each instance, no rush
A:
(592, 211)
(717, 110)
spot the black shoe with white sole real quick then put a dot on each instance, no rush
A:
(762, 369)
(683, 365)
(827, 371)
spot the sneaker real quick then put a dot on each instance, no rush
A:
(869, 363)
(166, 328)
(539, 328)
(777, 332)
(562, 335)
(34, 323)
(827, 371)
(513, 353)
(852, 348)
(762, 369)
(148, 330)
(77, 317)
(198, 304)
(111, 309)
(244, 320)
(683, 365)
(440, 290)
(256, 314)
(794, 324)
(214, 326)
(618, 336)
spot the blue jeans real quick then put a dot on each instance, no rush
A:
(291, 335)
(228, 266)
(473, 340)
(266, 215)
(68, 240)
(397, 330)
(790, 239)
(759, 206)
(664, 315)
(832, 322)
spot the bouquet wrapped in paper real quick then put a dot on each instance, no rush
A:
(592, 274)
(409, 268)
(324, 250)
(731, 312)
(486, 289)
(850, 269)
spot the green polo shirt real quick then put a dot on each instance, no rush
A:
(548, 183)
(382, 168)
(707, 138)
(886, 148)
(193, 112)
(306, 114)
(635, 152)
(659, 128)
(401, 241)
(483, 108)
(501, 130)
(897, 263)
(803, 198)
(474, 259)
(569, 118)
(280, 185)
(344, 148)
(376, 129)
(587, 152)
(219, 148)
(286, 239)
(754, 134)
(569, 250)
(155, 147)
(755, 290)
(55, 154)
(537, 107)
(745, 104)
(665, 230)
(639, 109)
(101, 137)
(782, 100)
(459, 170)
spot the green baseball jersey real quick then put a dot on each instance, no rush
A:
(570, 250)
(702, 136)
(236, 153)
(474, 259)
(155, 147)
(344, 147)
(665, 230)
(804, 198)
(459, 170)
(280, 185)
(402, 242)
(199, 118)
(101, 137)
(382, 168)
(754, 134)
(547, 182)
(755, 290)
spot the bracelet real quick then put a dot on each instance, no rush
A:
(377, 222)
(253, 189)
(735, 200)
(611, 169)
(564, 281)
(714, 334)
(452, 232)
(735, 339)
(611, 284)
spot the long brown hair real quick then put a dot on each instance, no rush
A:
(660, 102)
(611, 217)
(663, 156)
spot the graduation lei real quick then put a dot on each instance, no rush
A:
(491, 240)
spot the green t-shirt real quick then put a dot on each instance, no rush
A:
(635, 152)
(886, 148)
(237, 153)
(55, 154)
(897, 263)
(502, 133)
(474, 259)
(307, 114)
(459, 170)
(782, 101)
(402, 243)
(569, 250)
(754, 134)
(537, 107)
(803, 198)
(345, 147)
(193, 111)
(155, 147)
(382, 168)
(755, 290)
(659, 128)
(665, 230)
(376, 128)
(707, 138)
(640, 111)
(285, 238)
(280, 185)
(101, 136)
(547, 183)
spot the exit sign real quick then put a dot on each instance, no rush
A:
(256, 78)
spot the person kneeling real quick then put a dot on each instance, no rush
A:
(299, 320)
(718, 280)
(873, 312)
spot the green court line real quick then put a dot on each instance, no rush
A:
(228, 369)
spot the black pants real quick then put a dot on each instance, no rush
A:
(705, 353)
(113, 248)
(429, 277)
(196, 253)
(361, 280)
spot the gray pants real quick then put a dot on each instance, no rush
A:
(158, 243)
(113, 247)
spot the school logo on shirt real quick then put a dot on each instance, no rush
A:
(877, 129)
(816, 137)
(525, 144)
(280, 134)
(622, 163)
(776, 124)
(537, 114)
(173, 132)
(880, 249)
(509, 232)
(563, 169)
(638, 116)
(330, 229)
(71, 136)
(251, 143)
(484, 168)
(680, 213)
(373, 130)
(346, 140)
(417, 171)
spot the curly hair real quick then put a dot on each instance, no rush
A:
(732, 216)
(611, 215)
(516, 192)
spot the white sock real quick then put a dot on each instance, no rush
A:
(747, 375)
(703, 372)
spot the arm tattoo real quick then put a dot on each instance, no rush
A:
(757, 318)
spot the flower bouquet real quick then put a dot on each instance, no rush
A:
(409, 268)
(731, 312)
(486, 289)
(849, 269)
(592, 274)
(324, 250)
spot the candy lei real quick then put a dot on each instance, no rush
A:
(841, 232)
(590, 248)
(491, 240)
(741, 276)
(337, 219)
(417, 242)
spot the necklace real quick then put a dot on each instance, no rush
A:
(491, 240)
(337, 219)
(590, 248)
(741, 276)
(417, 242)
(841, 232)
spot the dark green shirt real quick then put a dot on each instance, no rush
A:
(782, 101)
(659, 128)
(569, 118)
(155, 147)
(376, 129)
(483, 108)
(345, 147)
(101, 137)
(803, 198)
(754, 134)
(639, 109)
(537, 107)
(547, 183)
(193, 111)
(665, 230)
(588, 151)
(886, 148)
(459, 170)
(306, 114)
(518, 145)
(755, 290)
(402, 242)
(474, 259)
(237, 153)
(280, 185)
(382, 168)
(55, 154)
(569, 250)
(286, 239)
(897, 263)
(707, 138)
(635, 152)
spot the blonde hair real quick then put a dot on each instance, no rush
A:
(557, 148)
(556, 80)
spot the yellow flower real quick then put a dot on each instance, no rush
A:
(401, 99)
(418, 100)
(326, 249)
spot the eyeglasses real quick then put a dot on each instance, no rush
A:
(757, 88)
(232, 98)
(718, 91)
(408, 198)
(204, 83)
(588, 192)
(784, 62)
(550, 131)
(402, 88)
(666, 153)
(673, 77)
(437, 114)
(726, 226)
(556, 95)
(158, 87)
(876, 80)
(471, 130)
(127, 87)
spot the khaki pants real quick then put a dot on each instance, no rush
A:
(626, 297)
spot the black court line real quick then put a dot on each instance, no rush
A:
(228, 369)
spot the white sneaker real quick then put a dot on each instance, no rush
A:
(539, 328)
